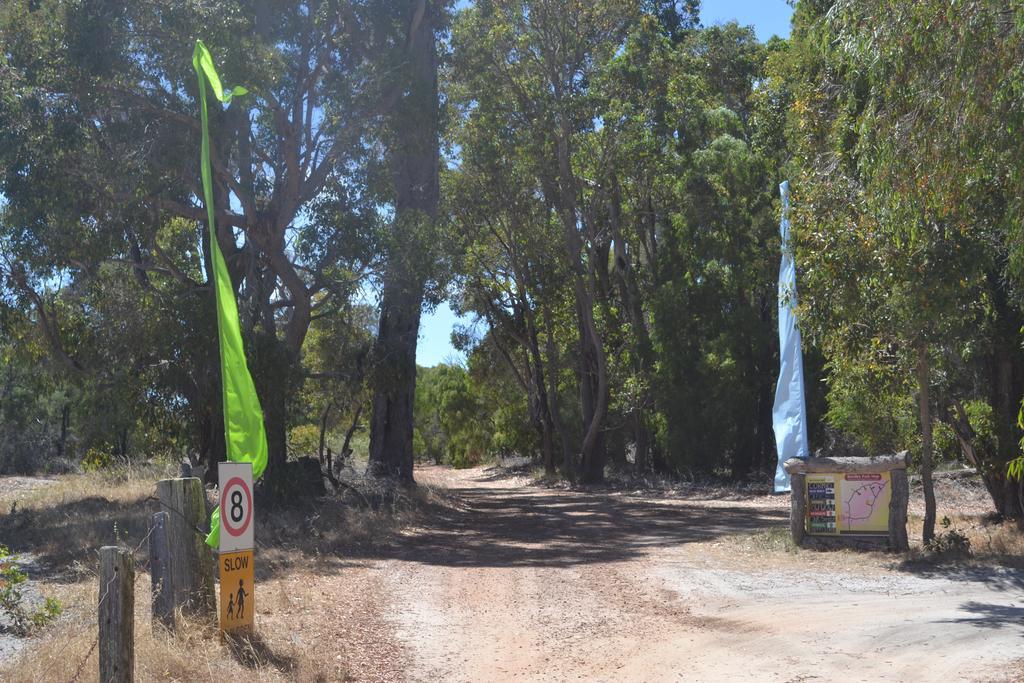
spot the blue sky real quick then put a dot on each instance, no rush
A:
(768, 17)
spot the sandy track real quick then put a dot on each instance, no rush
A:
(528, 584)
(511, 582)
(516, 583)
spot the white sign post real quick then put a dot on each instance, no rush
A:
(237, 605)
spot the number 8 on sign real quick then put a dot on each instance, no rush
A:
(236, 507)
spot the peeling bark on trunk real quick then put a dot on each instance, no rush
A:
(592, 370)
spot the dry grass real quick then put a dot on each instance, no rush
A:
(63, 524)
(300, 552)
(991, 542)
(66, 650)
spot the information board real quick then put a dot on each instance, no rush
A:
(848, 503)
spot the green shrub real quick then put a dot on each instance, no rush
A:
(97, 458)
(950, 542)
(304, 440)
(12, 598)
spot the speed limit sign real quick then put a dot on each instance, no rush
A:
(236, 511)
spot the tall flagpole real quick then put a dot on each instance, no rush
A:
(789, 415)
(244, 433)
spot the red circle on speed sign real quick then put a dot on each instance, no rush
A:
(247, 513)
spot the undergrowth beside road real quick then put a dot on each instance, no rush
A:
(63, 524)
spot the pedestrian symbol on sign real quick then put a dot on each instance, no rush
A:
(241, 599)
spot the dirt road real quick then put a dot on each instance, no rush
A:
(528, 584)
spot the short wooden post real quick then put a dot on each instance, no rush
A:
(190, 560)
(116, 615)
(160, 572)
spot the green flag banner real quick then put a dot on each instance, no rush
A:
(243, 417)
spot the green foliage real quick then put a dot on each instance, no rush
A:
(951, 542)
(304, 440)
(452, 422)
(676, 195)
(23, 620)
(104, 264)
(905, 196)
(1015, 468)
(609, 220)
(96, 458)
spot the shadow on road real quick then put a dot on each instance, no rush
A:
(991, 616)
(511, 527)
(994, 578)
(483, 526)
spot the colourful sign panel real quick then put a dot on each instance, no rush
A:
(237, 602)
(848, 503)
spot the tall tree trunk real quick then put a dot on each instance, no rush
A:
(1006, 385)
(415, 160)
(766, 366)
(62, 442)
(554, 366)
(272, 381)
(1005, 403)
(924, 408)
(643, 357)
(391, 423)
(592, 368)
(540, 387)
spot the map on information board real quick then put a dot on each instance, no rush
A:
(851, 503)
(864, 503)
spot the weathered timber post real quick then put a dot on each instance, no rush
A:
(116, 615)
(898, 509)
(190, 562)
(160, 572)
(850, 501)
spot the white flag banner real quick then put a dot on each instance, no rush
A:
(789, 416)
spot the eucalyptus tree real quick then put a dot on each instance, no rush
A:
(100, 108)
(528, 66)
(405, 39)
(905, 209)
(690, 209)
(509, 271)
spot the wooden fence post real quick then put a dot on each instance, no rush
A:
(160, 572)
(190, 563)
(116, 615)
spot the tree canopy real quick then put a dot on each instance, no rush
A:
(592, 185)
